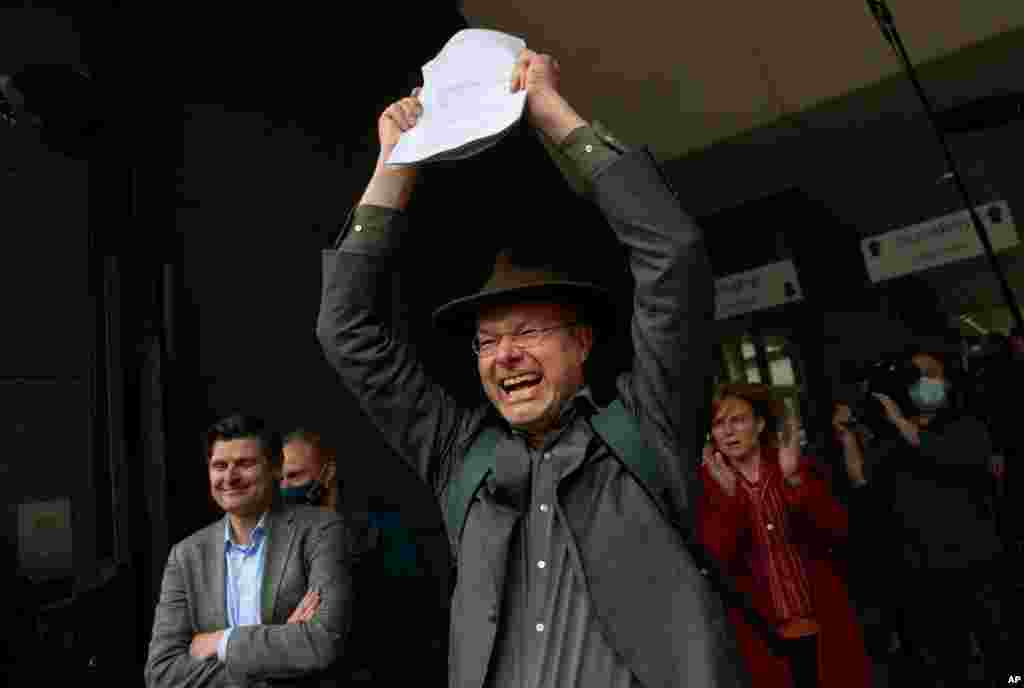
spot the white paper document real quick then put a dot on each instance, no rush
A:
(467, 106)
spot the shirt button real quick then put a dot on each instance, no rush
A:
(541, 564)
(358, 228)
(588, 148)
(544, 508)
(547, 455)
(540, 628)
(771, 527)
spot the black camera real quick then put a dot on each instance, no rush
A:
(891, 377)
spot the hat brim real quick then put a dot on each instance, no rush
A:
(460, 315)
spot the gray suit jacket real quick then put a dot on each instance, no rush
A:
(306, 547)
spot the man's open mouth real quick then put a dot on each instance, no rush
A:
(515, 383)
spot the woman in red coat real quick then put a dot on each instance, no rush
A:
(767, 515)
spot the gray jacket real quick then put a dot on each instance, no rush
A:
(655, 608)
(306, 547)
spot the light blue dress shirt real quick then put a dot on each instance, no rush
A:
(242, 580)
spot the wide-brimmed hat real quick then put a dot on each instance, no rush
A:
(512, 282)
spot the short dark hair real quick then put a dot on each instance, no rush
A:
(240, 426)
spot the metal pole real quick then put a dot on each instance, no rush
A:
(887, 24)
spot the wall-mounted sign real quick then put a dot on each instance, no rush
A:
(44, 539)
(938, 241)
(764, 287)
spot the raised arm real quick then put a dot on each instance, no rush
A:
(672, 311)
(169, 663)
(356, 324)
(671, 325)
(293, 650)
(963, 442)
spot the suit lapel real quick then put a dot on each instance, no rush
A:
(216, 576)
(280, 533)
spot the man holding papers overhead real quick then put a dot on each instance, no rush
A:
(564, 510)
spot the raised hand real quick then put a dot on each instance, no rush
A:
(719, 470)
(391, 185)
(789, 448)
(398, 117)
(841, 420)
(546, 109)
(535, 73)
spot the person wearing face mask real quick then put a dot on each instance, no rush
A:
(768, 517)
(261, 595)
(309, 477)
(309, 474)
(935, 539)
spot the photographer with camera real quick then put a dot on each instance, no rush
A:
(919, 471)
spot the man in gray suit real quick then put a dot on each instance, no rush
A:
(258, 597)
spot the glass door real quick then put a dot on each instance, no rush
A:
(766, 358)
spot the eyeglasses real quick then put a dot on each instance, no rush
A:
(486, 345)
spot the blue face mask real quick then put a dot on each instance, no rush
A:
(928, 394)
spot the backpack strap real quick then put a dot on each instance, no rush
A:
(477, 463)
(613, 424)
(618, 428)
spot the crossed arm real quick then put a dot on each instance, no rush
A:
(309, 642)
(169, 662)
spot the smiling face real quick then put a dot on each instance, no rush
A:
(529, 385)
(736, 429)
(242, 481)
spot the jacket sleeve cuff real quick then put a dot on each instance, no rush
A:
(373, 231)
(222, 646)
(590, 149)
